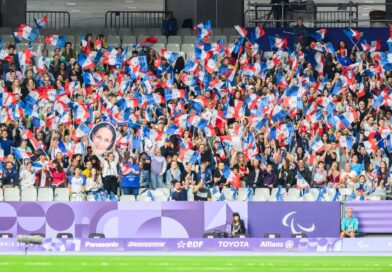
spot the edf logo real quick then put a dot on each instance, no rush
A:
(190, 244)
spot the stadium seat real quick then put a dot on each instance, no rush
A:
(187, 47)
(219, 37)
(29, 194)
(165, 191)
(228, 194)
(1, 195)
(242, 194)
(261, 194)
(189, 55)
(184, 31)
(229, 31)
(294, 192)
(216, 31)
(128, 40)
(11, 194)
(113, 41)
(45, 194)
(61, 194)
(161, 39)
(154, 31)
(174, 39)
(174, 47)
(233, 38)
(71, 38)
(191, 196)
(109, 31)
(158, 46)
(188, 39)
(140, 31)
(122, 32)
(8, 38)
(129, 198)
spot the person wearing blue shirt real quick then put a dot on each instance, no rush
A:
(5, 143)
(77, 185)
(130, 181)
(169, 26)
(355, 166)
(10, 176)
(349, 225)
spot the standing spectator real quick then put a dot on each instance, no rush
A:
(145, 168)
(200, 192)
(109, 172)
(319, 176)
(130, 182)
(5, 143)
(77, 185)
(43, 177)
(27, 177)
(158, 168)
(179, 193)
(255, 177)
(94, 186)
(169, 25)
(58, 175)
(68, 52)
(301, 33)
(349, 225)
(219, 178)
(270, 180)
(173, 173)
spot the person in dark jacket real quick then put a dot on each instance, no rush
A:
(255, 177)
(301, 33)
(237, 225)
(169, 26)
(10, 176)
(269, 178)
(286, 174)
(304, 172)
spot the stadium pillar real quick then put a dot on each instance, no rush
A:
(13, 13)
(388, 9)
(221, 13)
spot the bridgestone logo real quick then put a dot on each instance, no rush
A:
(146, 244)
(101, 245)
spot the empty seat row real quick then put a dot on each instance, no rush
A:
(34, 194)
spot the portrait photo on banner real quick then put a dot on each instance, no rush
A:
(102, 138)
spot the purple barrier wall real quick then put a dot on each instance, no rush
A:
(168, 219)
(374, 216)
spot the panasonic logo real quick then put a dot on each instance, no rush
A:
(101, 245)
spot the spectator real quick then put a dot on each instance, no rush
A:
(77, 185)
(158, 168)
(68, 52)
(173, 174)
(319, 176)
(27, 177)
(145, 167)
(301, 33)
(349, 177)
(169, 25)
(200, 192)
(269, 178)
(10, 177)
(349, 225)
(59, 178)
(255, 177)
(43, 177)
(109, 172)
(130, 182)
(5, 142)
(179, 193)
(94, 186)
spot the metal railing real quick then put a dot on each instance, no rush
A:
(132, 19)
(56, 19)
(315, 14)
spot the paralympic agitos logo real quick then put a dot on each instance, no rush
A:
(289, 221)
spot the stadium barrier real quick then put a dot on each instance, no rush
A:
(169, 219)
(193, 245)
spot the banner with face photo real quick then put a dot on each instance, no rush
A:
(102, 138)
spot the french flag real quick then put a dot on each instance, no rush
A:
(259, 31)
(317, 145)
(25, 57)
(41, 22)
(171, 57)
(278, 42)
(352, 34)
(56, 40)
(241, 30)
(190, 66)
(173, 130)
(198, 122)
(203, 30)
(5, 56)
(188, 155)
(27, 32)
(148, 42)
(62, 147)
(174, 94)
(85, 62)
(29, 135)
(346, 141)
(21, 154)
(373, 46)
(319, 35)
(82, 130)
(81, 113)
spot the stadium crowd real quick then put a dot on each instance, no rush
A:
(307, 115)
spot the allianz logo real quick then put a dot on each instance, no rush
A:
(233, 244)
(269, 244)
(190, 244)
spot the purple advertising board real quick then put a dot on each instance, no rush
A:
(183, 245)
(168, 219)
(315, 219)
(373, 216)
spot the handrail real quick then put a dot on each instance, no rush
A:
(56, 19)
(132, 19)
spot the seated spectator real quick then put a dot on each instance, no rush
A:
(200, 192)
(354, 165)
(219, 178)
(255, 177)
(43, 177)
(158, 168)
(237, 225)
(27, 177)
(334, 176)
(349, 177)
(349, 225)
(10, 177)
(77, 185)
(179, 193)
(319, 176)
(173, 174)
(94, 186)
(59, 178)
(169, 25)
